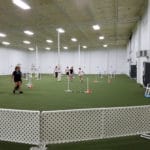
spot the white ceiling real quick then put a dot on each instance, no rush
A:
(117, 19)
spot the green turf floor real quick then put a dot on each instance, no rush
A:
(125, 143)
(48, 94)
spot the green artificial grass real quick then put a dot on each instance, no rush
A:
(125, 143)
(49, 94)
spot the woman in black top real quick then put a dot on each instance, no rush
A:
(17, 75)
(67, 71)
(71, 73)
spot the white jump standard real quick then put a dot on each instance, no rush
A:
(68, 86)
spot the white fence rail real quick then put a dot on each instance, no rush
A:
(87, 124)
(71, 125)
(126, 121)
(51, 127)
(20, 126)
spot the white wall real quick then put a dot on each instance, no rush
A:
(140, 41)
(9, 58)
(104, 60)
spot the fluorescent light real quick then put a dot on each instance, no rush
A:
(21, 4)
(27, 42)
(96, 27)
(49, 41)
(2, 35)
(28, 32)
(74, 39)
(101, 37)
(31, 49)
(84, 46)
(60, 30)
(5, 43)
(47, 48)
(65, 47)
(105, 45)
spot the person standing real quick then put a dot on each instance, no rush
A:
(56, 72)
(17, 78)
(80, 74)
(59, 73)
(71, 73)
(67, 71)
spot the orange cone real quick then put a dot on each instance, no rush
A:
(88, 91)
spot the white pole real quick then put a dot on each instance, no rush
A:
(87, 83)
(108, 64)
(115, 71)
(79, 54)
(148, 8)
(58, 48)
(68, 85)
(36, 57)
(88, 91)
(37, 62)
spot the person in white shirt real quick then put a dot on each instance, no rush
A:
(80, 74)
(56, 72)
(59, 73)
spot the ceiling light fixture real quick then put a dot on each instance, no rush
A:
(105, 45)
(27, 42)
(2, 35)
(65, 47)
(28, 32)
(5, 43)
(21, 4)
(48, 48)
(49, 41)
(84, 47)
(31, 49)
(74, 39)
(101, 37)
(96, 27)
(60, 30)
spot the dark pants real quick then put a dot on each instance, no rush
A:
(56, 74)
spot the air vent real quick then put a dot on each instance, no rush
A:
(143, 53)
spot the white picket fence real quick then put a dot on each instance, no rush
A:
(20, 126)
(64, 126)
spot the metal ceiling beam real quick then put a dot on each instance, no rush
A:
(76, 25)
